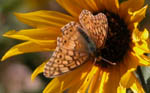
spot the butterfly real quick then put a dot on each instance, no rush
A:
(78, 43)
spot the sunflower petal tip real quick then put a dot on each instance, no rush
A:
(18, 15)
(3, 58)
(9, 32)
(32, 77)
(145, 34)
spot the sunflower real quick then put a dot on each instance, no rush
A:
(126, 45)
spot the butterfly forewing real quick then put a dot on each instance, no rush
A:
(71, 52)
(95, 25)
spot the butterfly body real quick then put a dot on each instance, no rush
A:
(79, 42)
(91, 44)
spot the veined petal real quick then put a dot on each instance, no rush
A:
(91, 5)
(44, 19)
(103, 79)
(76, 87)
(138, 50)
(38, 70)
(121, 89)
(111, 5)
(71, 6)
(74, 7)
(131, 5)
(88, 79)
(113, 81)
(99, 4)
(94, 83)
(136, 16)
(145, 34)
(27, 47)
(79, 73)
(143, 45)
(140, 35)
(142, 60)
(129, 65)
(53, 87)
(49, 33)
(126, 80)
(136, 86)
(130, 62)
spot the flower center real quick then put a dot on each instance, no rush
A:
(117, 42)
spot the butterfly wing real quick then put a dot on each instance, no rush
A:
(96, 26)
(71, 52)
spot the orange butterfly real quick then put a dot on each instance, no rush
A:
(79, 43)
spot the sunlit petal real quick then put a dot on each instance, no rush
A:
(136, 86)
(28, 47)
(88, 79)
(136, 17)
(37, 34)
(79, 73)
(38, 70)
(44, 19)
(132, 5)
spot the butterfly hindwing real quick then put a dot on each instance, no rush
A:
(95, 25)
(71, 52)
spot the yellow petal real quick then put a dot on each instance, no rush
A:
(143, 45)
(49, 33)
(74, 7)
(99, 81)
(99, 4)
(130, 62)
(136, 16)
(132, 82)
(145, 35)
(80, 74)
(90, 4)
(104, 75)
(140, 35)
(126, 80)
(138, 51)
(136, 86)
(44, 19)
(27, 47)
(142, 60)
(76, 77)
(71, 6)
(111, 79)
(135, 35)
(77, 84)
(38, 70)
(111, 5)
(94, 83)
(53, 87)
(121, 89)
(88, 79)
(131, 5)
(141, 49)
